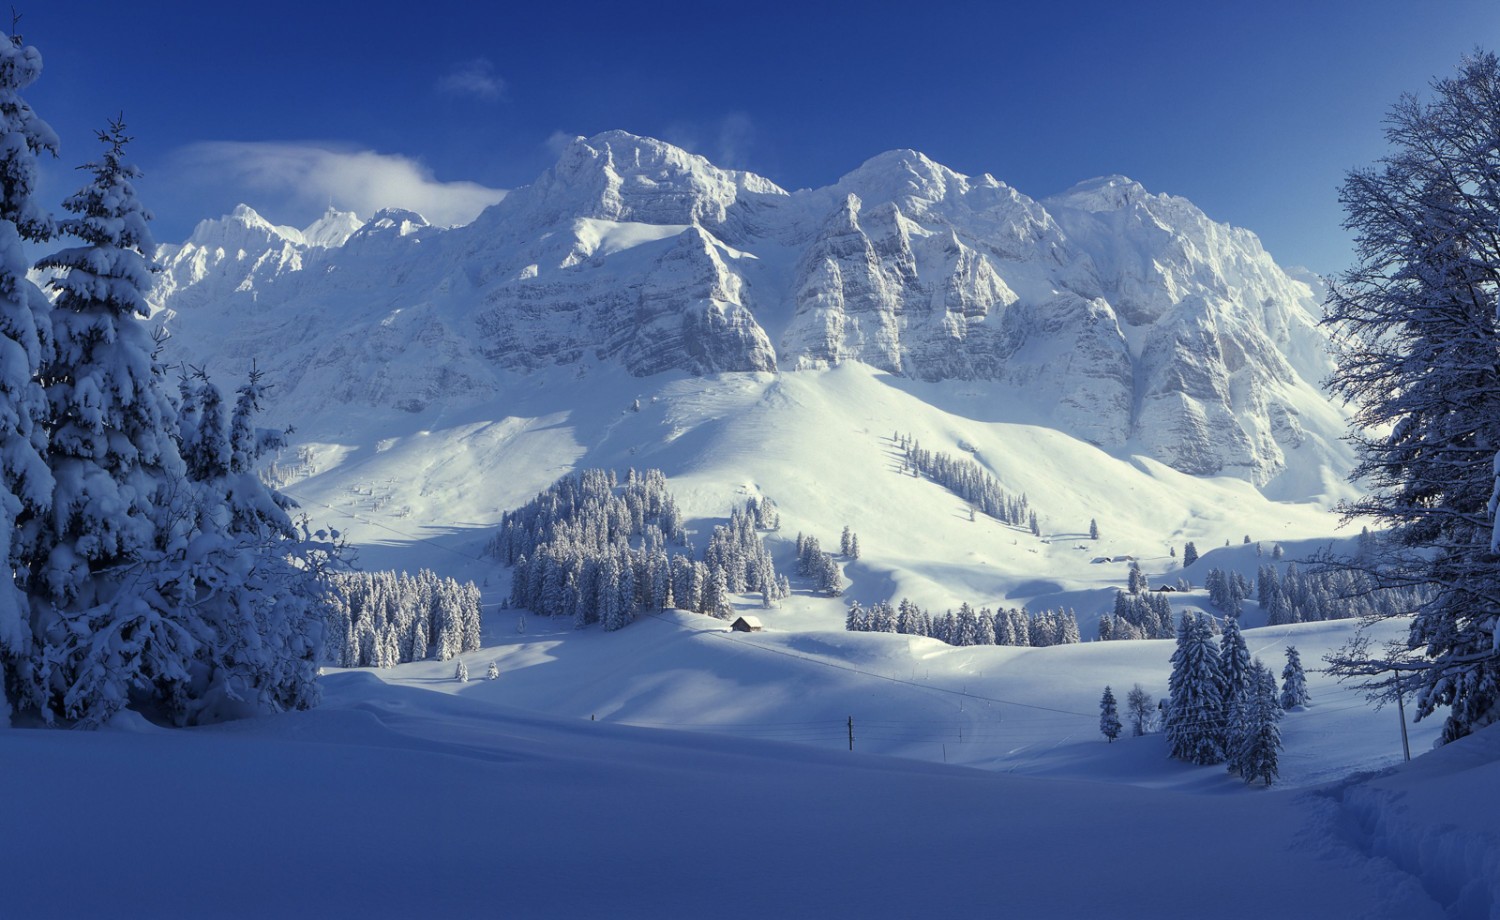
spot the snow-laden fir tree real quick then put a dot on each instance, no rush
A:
(1195, 712)
(99, 625)
(1255, 744)
(1293, 681)
(1189, 554)
(493, 673)
(1234, 664)
(844, 541)
(1093, 529)
(1415, 329)
(25, 335)
(254, 582)
(461, 673)
(389, 618)
(1109, 716)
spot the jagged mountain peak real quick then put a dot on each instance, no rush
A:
(1102, 193)
(903, 175)
(243, 228)
(392, 221)
(333, 229)
(1125, 318)
(619, 176)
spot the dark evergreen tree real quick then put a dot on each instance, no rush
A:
(1415, 332)
(1234, 664)
(969, 481)
(1195, 723)
(1257, 744)
(1109, 716)
(1293, 681)
(1189, 554)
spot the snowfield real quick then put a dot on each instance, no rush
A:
(675, 768)
(393, 801)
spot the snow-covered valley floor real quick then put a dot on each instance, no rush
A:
(674, 769)
(408, 793)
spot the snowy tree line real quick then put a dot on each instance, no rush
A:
(149, 565)
(1225, 708)
(1143, 615)
(380, 619)
(968, 626)
(598, 551)
(821, 567)
(1293, 596)
(969, 481)
(1330, 593)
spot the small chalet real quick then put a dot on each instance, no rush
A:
(1166, 588)
(747, 624)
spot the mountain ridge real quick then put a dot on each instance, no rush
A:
(1150, 327)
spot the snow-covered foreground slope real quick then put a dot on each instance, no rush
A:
(393, 802)
(1033, 711)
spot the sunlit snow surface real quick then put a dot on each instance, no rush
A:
(674, 769)
(393, 801)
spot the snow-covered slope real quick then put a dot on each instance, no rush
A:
(489, 809)
(1139, 324)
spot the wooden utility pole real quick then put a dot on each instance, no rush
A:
(851, 733)
(1401, 708)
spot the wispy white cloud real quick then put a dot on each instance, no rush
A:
(475, 78)
(727, 142)
(558, 141)
(737, 137)
(307, 177)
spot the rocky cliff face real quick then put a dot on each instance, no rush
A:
(1135, 321)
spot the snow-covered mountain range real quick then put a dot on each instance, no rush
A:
(1126, 319)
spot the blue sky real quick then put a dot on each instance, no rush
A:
(1254, 111)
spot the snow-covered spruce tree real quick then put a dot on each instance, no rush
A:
(148, 581)
(1293, 681)
(1195, 713)
(100, 628)
(1109, 716)
(246, 578)
(1256, 745)
(1234, 664)
(461, 673)
(1414, 328)
(493, 673)
(25, 334)
(1189, 554)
